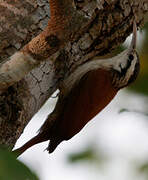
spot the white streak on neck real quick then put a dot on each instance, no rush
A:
(107, 64)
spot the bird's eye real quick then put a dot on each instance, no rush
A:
(131, 57)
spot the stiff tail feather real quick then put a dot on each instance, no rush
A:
(53, 144)
(35, 140)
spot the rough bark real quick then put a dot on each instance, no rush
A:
(98, 27)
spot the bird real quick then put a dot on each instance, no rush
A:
(84, 93)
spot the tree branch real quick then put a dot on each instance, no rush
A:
(53, 37)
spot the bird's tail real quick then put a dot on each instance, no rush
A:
(53, 144)
(35, 140)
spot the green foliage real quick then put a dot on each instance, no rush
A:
(141, 84)
(12, 169)
(135, 111)
(86, 155)
(144, 168)
(89, 154)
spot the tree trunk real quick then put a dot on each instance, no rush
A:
(95, 28)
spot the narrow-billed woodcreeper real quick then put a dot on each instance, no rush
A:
(85, 93)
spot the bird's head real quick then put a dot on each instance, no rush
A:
(126, 64)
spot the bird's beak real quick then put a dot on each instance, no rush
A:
(134, 38)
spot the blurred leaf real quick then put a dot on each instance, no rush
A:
(141, 85)
(144, 168)
(145, 43)
(82, 156)
(123, 110)
(89, 154)
(133, 111)
(12, 169)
